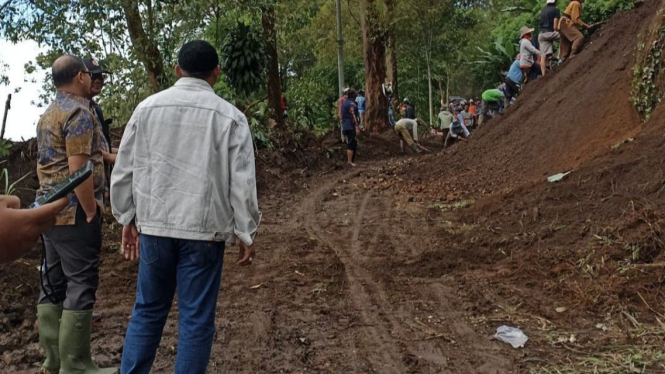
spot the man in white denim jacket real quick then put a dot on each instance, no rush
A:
(185, 180)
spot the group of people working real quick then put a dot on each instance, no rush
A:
(536, 54)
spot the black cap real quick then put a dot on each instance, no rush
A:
(94, 67)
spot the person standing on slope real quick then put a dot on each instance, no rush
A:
(361, 101)
(549, 32)
(350, 126)
(571, 37)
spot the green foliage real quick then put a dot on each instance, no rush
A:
(601, 10)
(244, 60)
(99, 29)
(5, 148)
(9, 188)
(507, 17)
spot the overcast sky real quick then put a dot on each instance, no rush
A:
(22, 118)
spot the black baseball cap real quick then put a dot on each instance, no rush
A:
(94, 67)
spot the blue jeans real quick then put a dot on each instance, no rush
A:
(195, 269)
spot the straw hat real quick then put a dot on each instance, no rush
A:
(525, 30)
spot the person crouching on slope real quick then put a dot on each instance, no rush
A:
(491, 101)
(513, 81)
(530, 55)
(402, 128)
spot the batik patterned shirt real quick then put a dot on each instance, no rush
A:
(69, 128)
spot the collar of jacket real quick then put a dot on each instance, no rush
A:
(193, 83)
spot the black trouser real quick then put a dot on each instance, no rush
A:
(351, 142)
(511, 90)
(72, 259)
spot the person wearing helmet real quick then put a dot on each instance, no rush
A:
(530, 54)
(548, 32)
(492, 100)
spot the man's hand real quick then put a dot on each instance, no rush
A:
(130, 242)
(357, 131)
(246, 254)
(19, 229)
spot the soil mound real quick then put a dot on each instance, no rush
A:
(592, 244)
(560, 121)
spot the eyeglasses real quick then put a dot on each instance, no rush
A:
(87, 72)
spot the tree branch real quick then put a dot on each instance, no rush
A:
(348, 3)
(6, 4)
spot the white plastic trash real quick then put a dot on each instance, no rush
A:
(558, 177)
(511, 335)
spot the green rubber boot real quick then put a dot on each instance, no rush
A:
(75, 344)
(48, 317)
(414, 149)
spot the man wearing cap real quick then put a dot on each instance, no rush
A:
(571, 37)
(69, 136)
(530, 54)
(185, 180)
(549, 32)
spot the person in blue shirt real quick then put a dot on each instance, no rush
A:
(360, 100)
(350, 126)
(513, 81)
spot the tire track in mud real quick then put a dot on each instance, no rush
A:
(385, 354)
(390, 338)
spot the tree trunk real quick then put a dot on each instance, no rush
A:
(8, 105)
(374, 46)
(274, 84)
(429, 82)
(145, 48)
(392, 56)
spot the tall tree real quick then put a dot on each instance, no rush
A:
(274, 83)
(145, 47)
(374, 46)
(392, 54)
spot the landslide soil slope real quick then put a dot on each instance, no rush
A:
(408, 264)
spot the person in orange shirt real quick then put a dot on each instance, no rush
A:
(472, 109)
(571, 37)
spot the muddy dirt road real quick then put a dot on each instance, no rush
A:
(328, 293)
